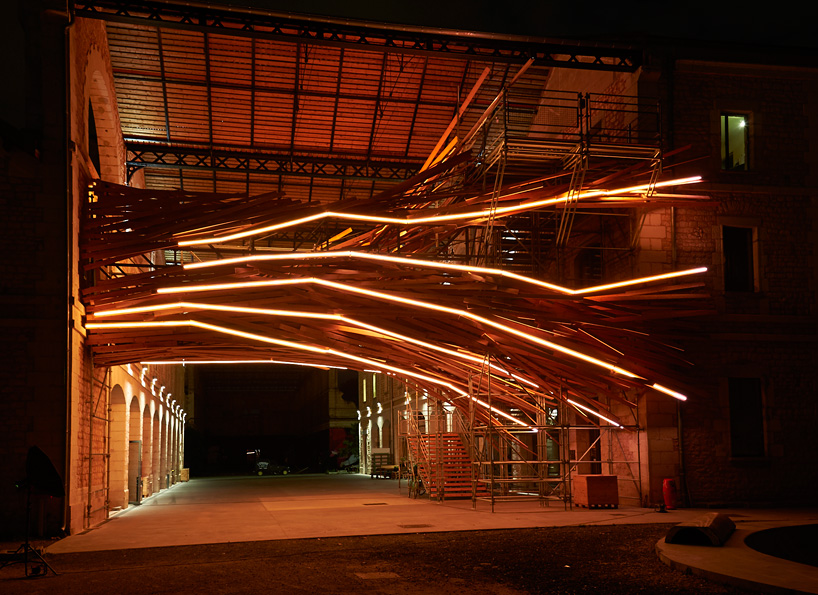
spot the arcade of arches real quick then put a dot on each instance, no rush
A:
(146, 441)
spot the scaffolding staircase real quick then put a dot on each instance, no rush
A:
(444, 465)
(566, 137)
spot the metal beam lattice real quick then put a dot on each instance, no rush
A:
(326, 31)
(157, 156)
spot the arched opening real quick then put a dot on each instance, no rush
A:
(385, 431)
(166, 456)
(172, 472)
(93, 140)
(147, 452)
(118, 476)
(135, 453)
(156, 469)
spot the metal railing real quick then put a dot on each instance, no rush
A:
(554, 123)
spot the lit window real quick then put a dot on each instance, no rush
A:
(734, 141)
(746, 417)
(739, 261)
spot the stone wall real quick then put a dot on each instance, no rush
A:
(768, 333)
(34, 292)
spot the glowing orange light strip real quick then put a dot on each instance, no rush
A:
(670, 392)
(185, 362)
(592, 412)
(408, 301)
(620, 284)
(299, 314)
(492, 212)
(207, 326)
(216, 307)
(321, 350)
(503, 414)
(439, 265)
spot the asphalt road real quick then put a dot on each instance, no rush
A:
(613, 560)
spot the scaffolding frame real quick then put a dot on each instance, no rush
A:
(504, 467)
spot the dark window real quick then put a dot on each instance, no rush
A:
(734, 141)
(739, 268)
(93, 141)
(746, 417)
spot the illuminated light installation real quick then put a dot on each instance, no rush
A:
(310, 348)
(272, 312)
(243, 361)
(408, 301)
(592, 412)
(471, 215)
(667, 391)
(441, 265)
(552, 359)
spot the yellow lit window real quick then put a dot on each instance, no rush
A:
(734, 141)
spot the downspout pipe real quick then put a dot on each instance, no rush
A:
(69, 240)
(87, 522)
(669, 66)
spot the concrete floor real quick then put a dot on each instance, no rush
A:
(251, 508)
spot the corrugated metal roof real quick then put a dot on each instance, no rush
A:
(193, 91)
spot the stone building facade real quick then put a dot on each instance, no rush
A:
(92, 423)
(744, 436)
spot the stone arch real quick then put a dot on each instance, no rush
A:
(118, 449)
(108, 135)
(134, 451)
(97, 92)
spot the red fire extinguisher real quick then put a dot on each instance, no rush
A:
(669, 492)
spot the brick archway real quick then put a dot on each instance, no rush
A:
(97, 91)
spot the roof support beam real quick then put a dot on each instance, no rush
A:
(167, 157)
(377, 37)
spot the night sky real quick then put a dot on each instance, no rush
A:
(787, 25)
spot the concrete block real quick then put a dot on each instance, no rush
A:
(596, 491)
(713, 529)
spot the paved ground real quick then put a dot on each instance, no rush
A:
(612, 560)
(344, 533)
(229, 509)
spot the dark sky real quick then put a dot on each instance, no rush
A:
(780, 24)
